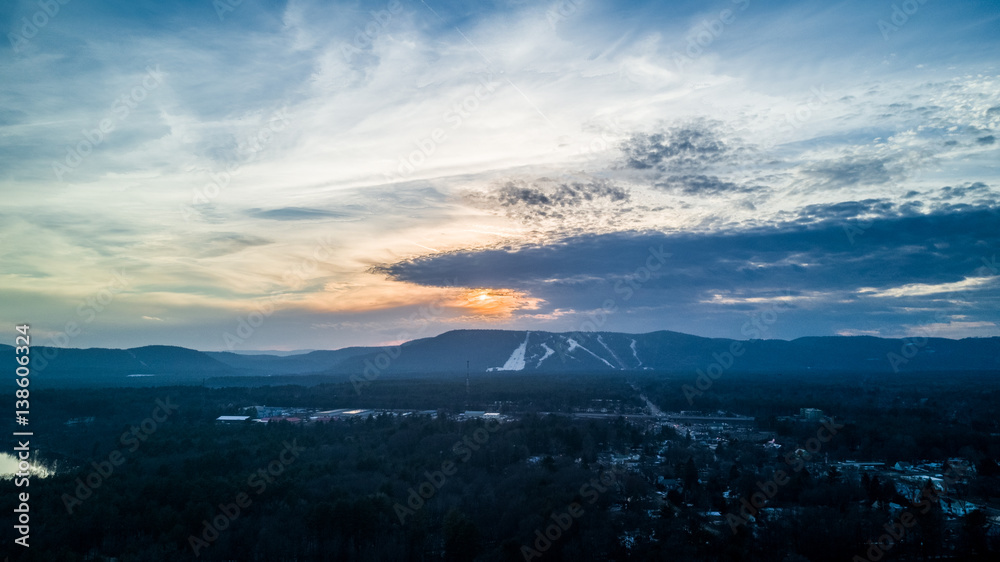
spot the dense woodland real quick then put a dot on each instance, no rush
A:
(337, 493)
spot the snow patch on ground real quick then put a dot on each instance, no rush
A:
(600, 340)
(548, 352)
(635, 353)
(573, 345)
(516, 360)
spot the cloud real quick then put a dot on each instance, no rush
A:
(296, 214)
(543, 196)
(820, 255)
(847, 210)
(978, 188)
(694, 145)
(712, 273)
(850, 171)
(954, 330)
(225, 243)
(703, 185)
(923, 289)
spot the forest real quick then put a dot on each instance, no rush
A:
(543, 483)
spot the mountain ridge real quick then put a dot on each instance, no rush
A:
(530, 351)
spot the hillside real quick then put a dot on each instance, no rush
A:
(525, 352)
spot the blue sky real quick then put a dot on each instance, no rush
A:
(270, 175)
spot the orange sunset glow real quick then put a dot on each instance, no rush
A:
(488, 303)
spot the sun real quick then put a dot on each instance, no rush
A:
(484, 298)
(493, 302)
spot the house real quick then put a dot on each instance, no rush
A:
(355, 413)
(811, 414)
(232, 419)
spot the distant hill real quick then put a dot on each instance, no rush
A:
(524, 352)
(277, 352)
(52, 366)
(664, 351)
(312, 362)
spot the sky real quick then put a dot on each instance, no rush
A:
(250, 175)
